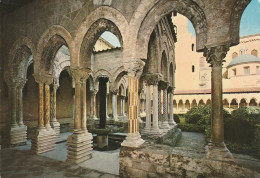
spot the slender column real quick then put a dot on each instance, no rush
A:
(41, 106)
(216, 149)
(20, 102)
(53, 103)
(114, 105)
(165, 124)
(84, 101)
(123, 105)
(155, 129)
(13, 105)
(93, 104)
(47, 106)
(159, 105)
(171, 120)
(133, 138)
(147, 128)
(106, 105)
(77, 76)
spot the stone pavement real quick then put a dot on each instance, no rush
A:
(22, 163)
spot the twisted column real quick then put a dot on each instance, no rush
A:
(93, 104)
(47, 106)
(159, 105)
(171, 119)
(216, 149)
(147, 128)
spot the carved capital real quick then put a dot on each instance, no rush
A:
(114, 91)
(163, 85)
(170, 89)
(215, 55)
(43, 78)
(93, 92)
(135, 67)
(16, 82)
(80, 74)
(153, 79)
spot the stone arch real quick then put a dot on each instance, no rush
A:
(19, 58)
(253, 102)
(194, 103)
(102, 19)
(243, 102)
(164, 68)
(121, 72)
(187, 104)
(180, 105)
(174, 104)
(100, 73)
(90, 82)
(234, 54)
(234, 103)
(201, 102)
(189, 9)
(208, 102)
(236, 13)
(49, 44)
(225, 103)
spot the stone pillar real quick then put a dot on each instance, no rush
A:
(45, 137)
(133, 138)
(147, 128)
(93, 105)
(165, 126)
(171, 119)
(106, 105)
(114, 105)
(80, 142)
(54, 123)
(123, 105)
(13, 89)
(20, 102)
(217, 149)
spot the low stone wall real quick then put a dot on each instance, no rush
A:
(151, 160)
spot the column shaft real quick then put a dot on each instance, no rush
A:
(47, 106)
(114, 106)
(171, 120)
(20, 105)
(155, 107)
(148, 110)
(14, 106)
(84, 105)
(41, 106)
(77, 105)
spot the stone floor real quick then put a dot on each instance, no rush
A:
(19, 162)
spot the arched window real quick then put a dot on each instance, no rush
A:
(252, 102)
(234, 55)
(192, 47)
(254, 52)
(193, 68)
(257, 69)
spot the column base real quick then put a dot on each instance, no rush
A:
(43, 141)
(156, 132)
(102, 141)
(218, 152)
(165, 126)
(133, 140)
(56, 127)
(18, 135)
(79, 147)
(171, 122)
(146, 131)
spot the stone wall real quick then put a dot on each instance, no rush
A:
(162, 161)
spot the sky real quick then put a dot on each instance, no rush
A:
(250, 20)
(249, 25)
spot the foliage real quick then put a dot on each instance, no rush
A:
(176, 118)
(191, 127)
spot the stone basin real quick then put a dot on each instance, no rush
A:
(105, 131)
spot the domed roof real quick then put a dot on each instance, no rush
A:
(246, 58)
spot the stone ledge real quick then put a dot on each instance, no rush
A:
(155, 160)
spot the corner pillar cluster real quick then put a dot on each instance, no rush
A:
(45, 137)
(80, 142)
(18, 130)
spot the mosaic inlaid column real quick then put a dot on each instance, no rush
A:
(217, 149)
(165, 126)
(159, 105)
(171, 119)
(147, 128)
(45, 137)
(133, 138)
